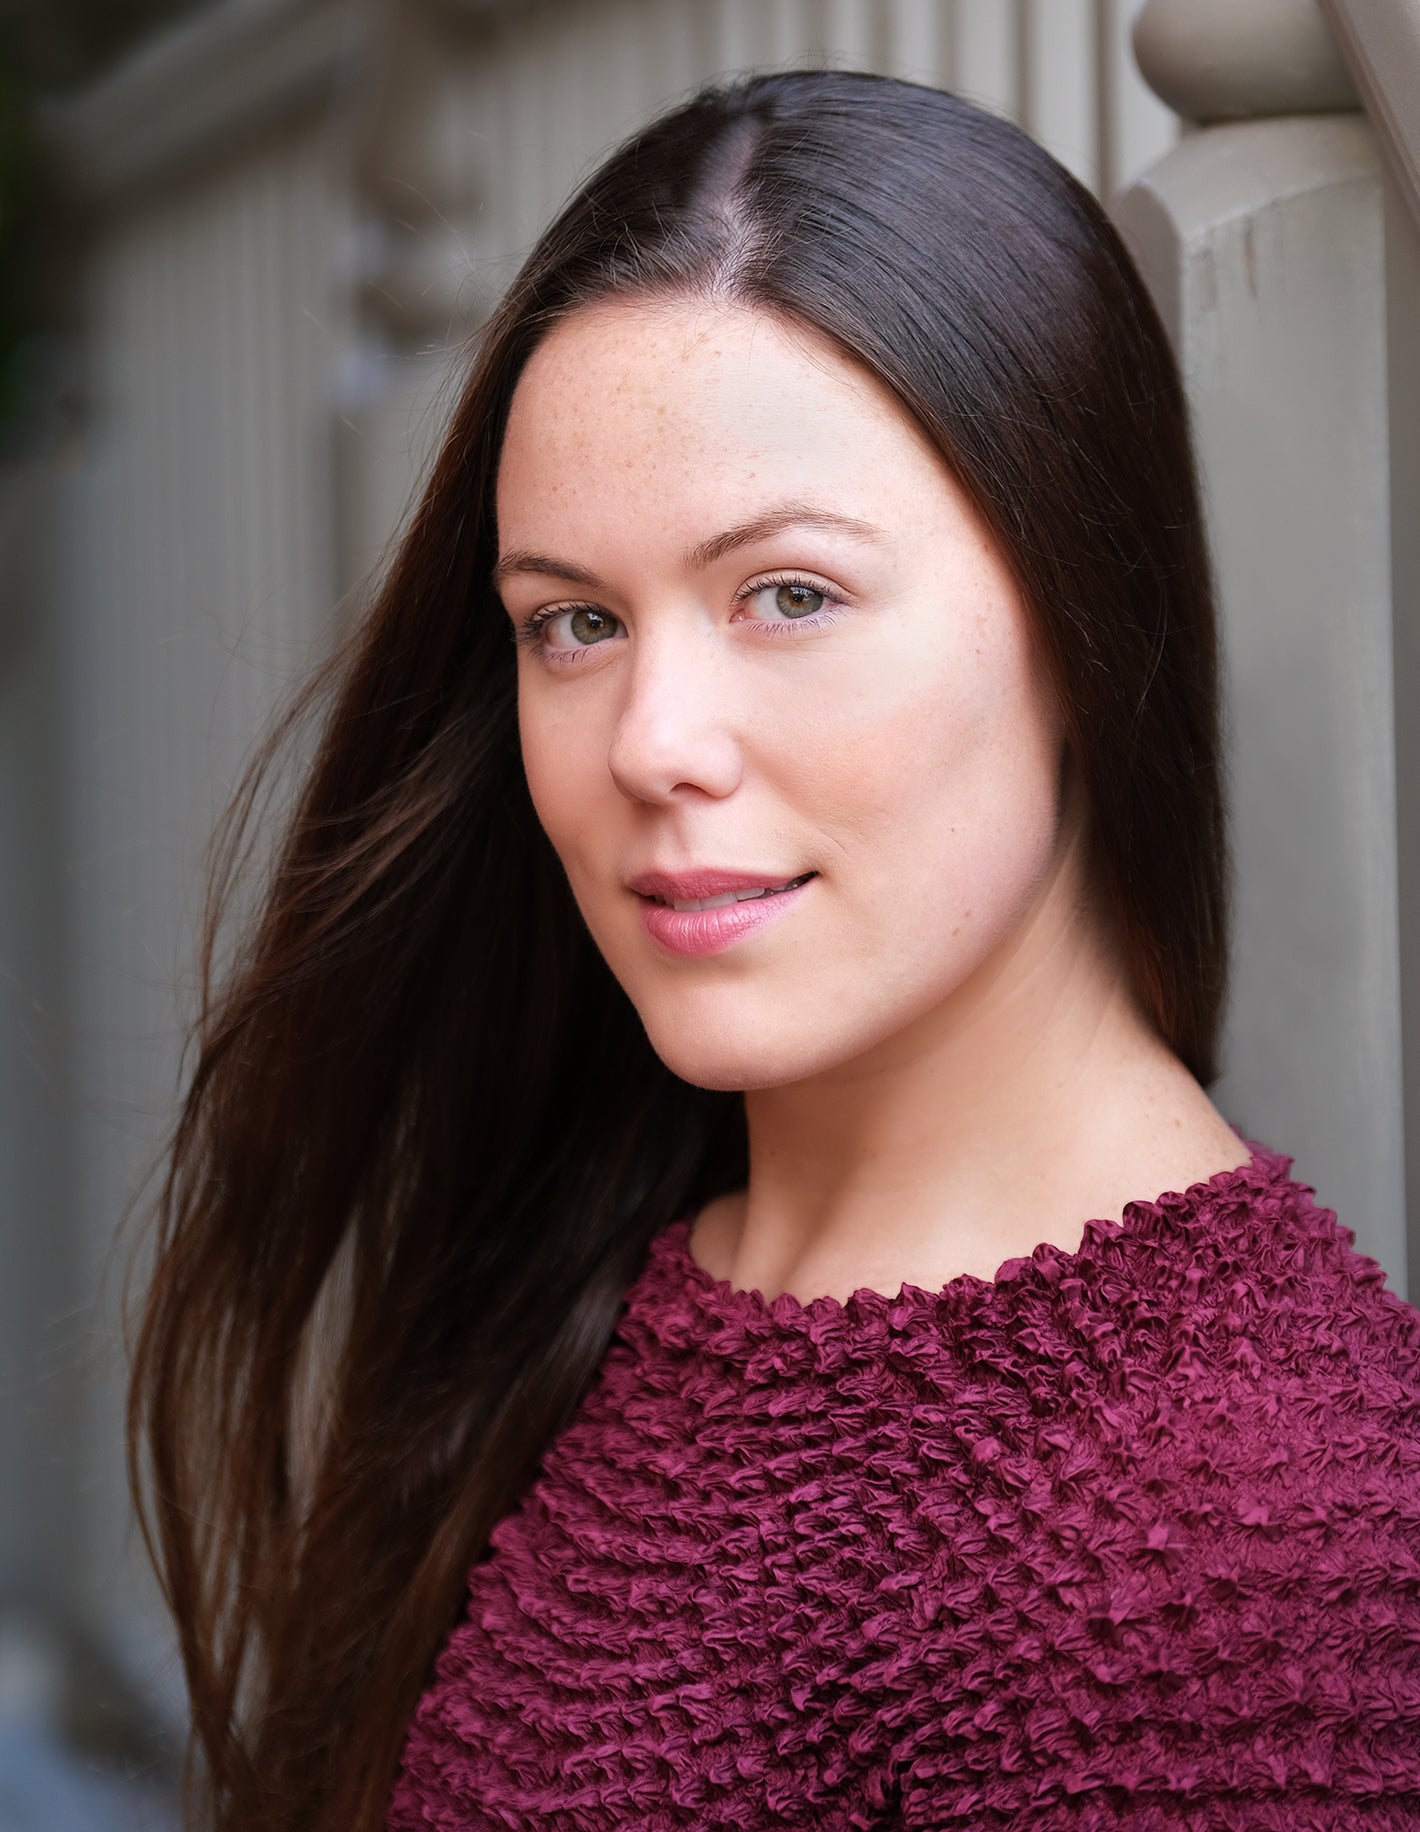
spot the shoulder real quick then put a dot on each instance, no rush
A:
(1287, 1412)
(1241, 1331)
(1244, 1277)
(1274, 1286)
(1188, 1574)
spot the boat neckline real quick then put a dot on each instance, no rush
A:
(1046, 1263)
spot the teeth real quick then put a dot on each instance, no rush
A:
(719, 903)
(715, 903)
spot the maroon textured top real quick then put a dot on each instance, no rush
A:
(1129, 1537)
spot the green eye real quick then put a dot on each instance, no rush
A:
(797, 600)
(586, 623)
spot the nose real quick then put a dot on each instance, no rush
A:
(676, 730)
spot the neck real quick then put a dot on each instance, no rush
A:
(1034, 1098)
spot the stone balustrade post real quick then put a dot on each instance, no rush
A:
(417, 264)
(1263, 236)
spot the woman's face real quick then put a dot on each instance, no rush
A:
(775, 640)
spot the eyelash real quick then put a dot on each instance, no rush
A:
(529, 633)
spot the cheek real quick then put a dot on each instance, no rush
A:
(946, 786)
(562, 778)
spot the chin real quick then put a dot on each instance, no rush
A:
(738, 1057)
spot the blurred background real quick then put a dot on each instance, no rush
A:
(242, 243)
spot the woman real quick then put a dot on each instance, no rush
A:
(699, 1283)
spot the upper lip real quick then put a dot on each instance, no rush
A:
(705, 881)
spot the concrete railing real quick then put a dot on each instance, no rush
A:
(1380, 41)
(1274, 243)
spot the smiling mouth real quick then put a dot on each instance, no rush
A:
(719, 903)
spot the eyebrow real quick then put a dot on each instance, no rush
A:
(773, 521)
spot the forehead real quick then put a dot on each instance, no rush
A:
(674, 394)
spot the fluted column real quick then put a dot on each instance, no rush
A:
(416, 263)
(1262, 235)
(421, 180)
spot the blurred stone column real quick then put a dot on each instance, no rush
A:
(37, 1224)
(418, 262)
(1262, 236)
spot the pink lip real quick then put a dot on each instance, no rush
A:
(695, 932)
(705, 881)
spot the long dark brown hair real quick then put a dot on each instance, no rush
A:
(425, 1140)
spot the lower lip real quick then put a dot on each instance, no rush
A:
(691, 932)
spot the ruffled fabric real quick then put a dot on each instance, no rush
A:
(1128, 1537)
